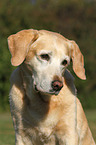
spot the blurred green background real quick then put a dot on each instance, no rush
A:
(76, 20)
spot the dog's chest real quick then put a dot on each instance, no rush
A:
(42, 127)
(42, 132)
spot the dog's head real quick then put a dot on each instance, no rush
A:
(47, 54)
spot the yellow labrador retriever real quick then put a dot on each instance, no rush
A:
(43, 101)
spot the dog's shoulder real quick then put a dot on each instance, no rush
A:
(15, 76)
(16, 82)
(16, 91)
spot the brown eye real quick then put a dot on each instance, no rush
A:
(64, 62)
(45, 57)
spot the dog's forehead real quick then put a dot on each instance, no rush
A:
(51, 42)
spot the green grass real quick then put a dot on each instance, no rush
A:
(91, 117)
(7, 136)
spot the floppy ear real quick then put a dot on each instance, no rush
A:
(19, 45)
(78, 60)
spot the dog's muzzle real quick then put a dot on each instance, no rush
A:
(56, 86)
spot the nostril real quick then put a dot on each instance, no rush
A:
(57, 85)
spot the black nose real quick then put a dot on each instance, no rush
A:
(57, 85)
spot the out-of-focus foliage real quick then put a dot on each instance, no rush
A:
(74, 19)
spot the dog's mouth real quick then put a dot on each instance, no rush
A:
(50, 92)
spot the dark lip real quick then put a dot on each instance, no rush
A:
(35, 88)
(54, 92)
(51, 92)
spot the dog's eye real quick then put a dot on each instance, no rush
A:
(45, 57)
(64, 62)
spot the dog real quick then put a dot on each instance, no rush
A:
(43, 102)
